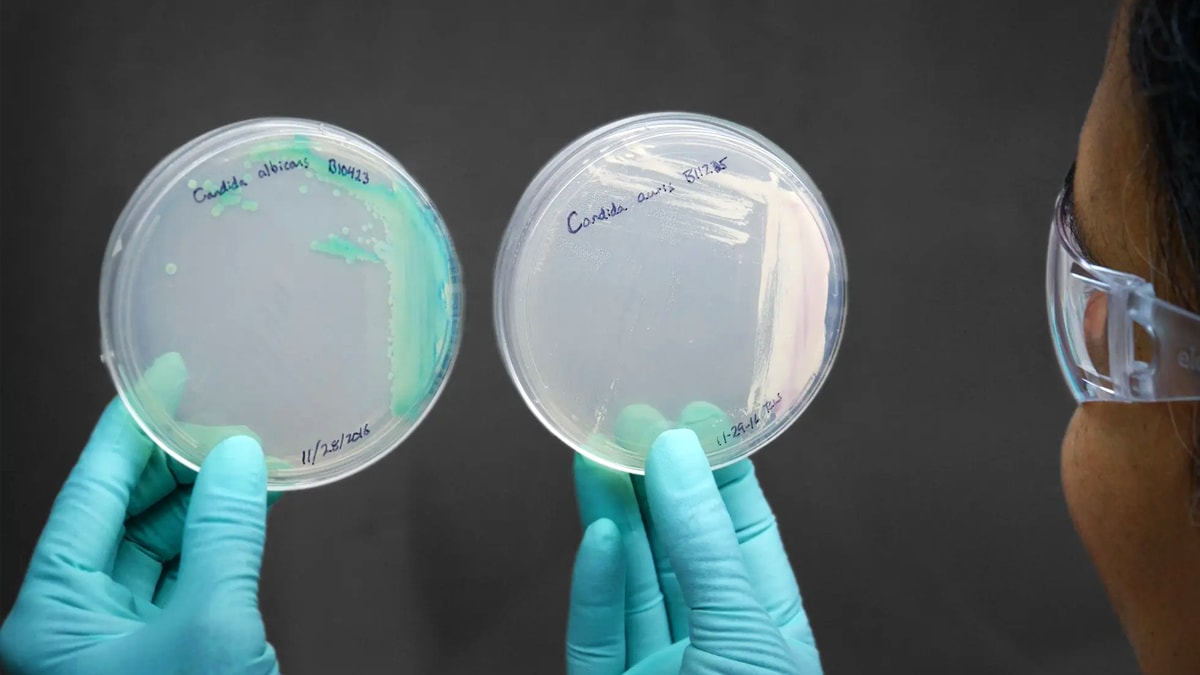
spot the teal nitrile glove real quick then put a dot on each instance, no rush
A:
(682, 571)
(138, 572)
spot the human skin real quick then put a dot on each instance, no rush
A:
(1128, 471)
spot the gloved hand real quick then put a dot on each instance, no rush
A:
(682, 571)
(139, 572)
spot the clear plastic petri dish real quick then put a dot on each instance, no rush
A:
(287, 280)
(670, 270)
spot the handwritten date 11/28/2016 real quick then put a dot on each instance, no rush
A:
(752, 422)
(322, 447)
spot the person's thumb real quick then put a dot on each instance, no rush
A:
(226, 526)
(730, 630)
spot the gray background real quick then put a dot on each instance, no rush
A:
(919, 496)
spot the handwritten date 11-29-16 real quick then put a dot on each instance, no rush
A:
(753, 421)
(708, 168)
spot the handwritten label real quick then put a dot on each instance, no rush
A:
(203, 194)
(646, 196)
(751, 421)
(577, 222)
(323, 447)
(708, 168)
(271, 167)
(347, 171)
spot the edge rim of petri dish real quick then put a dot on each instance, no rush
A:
(526, 217)
(141, 205)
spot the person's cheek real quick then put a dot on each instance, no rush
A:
(1127, 479)
(1094, 495)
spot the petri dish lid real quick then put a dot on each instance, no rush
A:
(670, 270)
(287, 280)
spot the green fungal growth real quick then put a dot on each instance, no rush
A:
(171, 268)
(249, 206)
(421, 269)
(343, 248)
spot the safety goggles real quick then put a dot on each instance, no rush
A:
(1100, 317)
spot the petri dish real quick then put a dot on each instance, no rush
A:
(283, 279)
(670, 270)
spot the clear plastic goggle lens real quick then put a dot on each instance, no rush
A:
(1079, 317)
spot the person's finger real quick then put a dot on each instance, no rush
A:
(707, 420)
(607, 494)
(161, 477)
(636, 428)
(87, 517)
(204, 437)
(164, 473)
(727, 622)
(226, 524)
(166, 583)
(159, 393)
(767, 562)
(151, 540)
(596, 622)
(669, 661)
(677, 609)
(221, 555)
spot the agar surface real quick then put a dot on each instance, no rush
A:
(420, 267)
